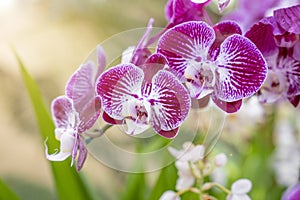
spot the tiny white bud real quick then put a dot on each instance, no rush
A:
(220, 160)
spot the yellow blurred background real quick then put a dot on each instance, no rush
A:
(53, 38)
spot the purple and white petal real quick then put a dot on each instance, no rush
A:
(117, 86)
(292, 71)
(170, 102)
(82, 155)
(89, 114)
(63, 113)
(289, 18)
(101, 62)
(66, 147)
(296, 52)
(186, 43)
(80, 87)
(185, 10)
(223, 30)
(228, 107)
(294, 100)
(111, 120)
(241, 69)
(261, 34)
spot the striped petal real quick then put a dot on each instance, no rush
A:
(289, 18)
(170, 103)
(241, 69)
(118, 86)
(186, 43)
(63, 113)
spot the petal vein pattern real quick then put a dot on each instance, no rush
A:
(171, 102)
(118, 86)
(186, 42)
(241, 69)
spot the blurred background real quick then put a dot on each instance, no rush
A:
(53, 38)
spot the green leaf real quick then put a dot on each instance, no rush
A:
(6, 192)
(135, 187)
(68, 182)
(166, 181)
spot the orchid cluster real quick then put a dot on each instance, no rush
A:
(194, 60)
(193, 168)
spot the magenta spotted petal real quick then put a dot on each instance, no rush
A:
(289, 18)
(179, 11)
(170, 102)
(184, 44)
(117, 86)
(63, 112)
(89, 114)
(241, 69)
(81, 86)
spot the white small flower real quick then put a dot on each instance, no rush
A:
(169, 195)
(190, 152)
(239, 190)
(220, 160)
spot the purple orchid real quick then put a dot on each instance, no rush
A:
(278, 39)
(216, 61)
(179, 11)
(77, 111)
(255, 11)
(292, 193)
(140, 97)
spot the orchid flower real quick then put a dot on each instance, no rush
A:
(187, 157)
(278, 39)
(77, 111)
(179, 11)
(214, 61)
(169, 195)
(140, 97)
(239, 190)
(292, 193)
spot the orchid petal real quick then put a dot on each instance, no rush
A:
(66, 148)
(80, 87)
(241, 186)
(169, 10)
(82, 155)
(294, 100)
(223, 30)
(63, 113)
(200, 103)
(169, 195)
(289, 18)
(101, 62)
(111, 120)
(117, 86)
(293, 76)
(141, 52)
(184, 43)
(241, 69)
(170, 102)
(127, 55)
(261, 34)
(296, 53)
(186, 10)
(89, 114)
(228, 107)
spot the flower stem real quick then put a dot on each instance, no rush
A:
(96, 133)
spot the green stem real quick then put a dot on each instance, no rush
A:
(100, 132)
(224, 189)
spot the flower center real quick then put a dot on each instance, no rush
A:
(200, 78)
